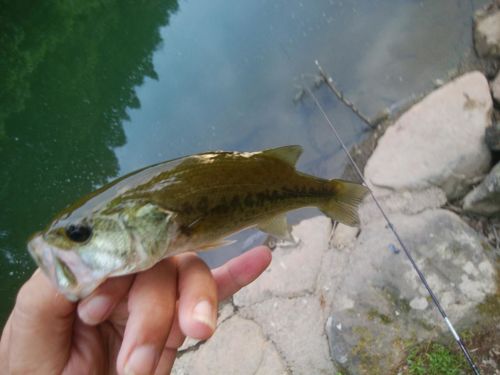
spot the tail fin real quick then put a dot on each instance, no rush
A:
(343, 206)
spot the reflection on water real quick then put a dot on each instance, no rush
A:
(70, 70)
(96, 88)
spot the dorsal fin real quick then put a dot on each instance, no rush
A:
(288, 154)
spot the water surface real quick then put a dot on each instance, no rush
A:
(91, 90)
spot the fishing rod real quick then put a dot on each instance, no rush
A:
(438, 305)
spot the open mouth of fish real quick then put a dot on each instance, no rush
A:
(73, 278)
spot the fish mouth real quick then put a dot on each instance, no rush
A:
(64, 268)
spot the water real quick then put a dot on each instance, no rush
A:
(90, 90)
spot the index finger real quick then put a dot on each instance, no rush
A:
(241, 271)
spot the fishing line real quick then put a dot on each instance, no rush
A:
(456, 336)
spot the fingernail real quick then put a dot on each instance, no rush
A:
(142, 361)
(203, 313)
(93, 311)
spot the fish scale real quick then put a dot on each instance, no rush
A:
(190, 203)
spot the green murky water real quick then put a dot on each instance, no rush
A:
(90, 90)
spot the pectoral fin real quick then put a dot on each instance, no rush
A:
(277, 226)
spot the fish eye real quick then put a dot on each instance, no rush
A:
(78, 232)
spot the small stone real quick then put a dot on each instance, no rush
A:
(492, 137)
(485, 198)
(438, 82)
(495, 88)
(487, 34)
(419, 303)
(339, 348)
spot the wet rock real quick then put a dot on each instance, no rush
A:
(296, 327)
(407, 201)
(438, 142)
(492, 137)
(378, 302)
(495, 88)
(237, 347)
(343, 236)
(485, 198)
(287, 276)
(487, 33)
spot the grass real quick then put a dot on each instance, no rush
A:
(434, 359)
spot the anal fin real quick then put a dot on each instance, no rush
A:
(277, 226)
(215, 244)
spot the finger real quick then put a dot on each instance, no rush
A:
(42, 321)
(174, 341)
(197, 297)
(229, 278)
(151, 305)
(241, 271)
(97, 307)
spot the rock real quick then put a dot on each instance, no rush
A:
(492, 137)
(237, 347)
(287, 276)
(495, 88)
(376, 301)
(487, 33)
(438, 142)
(296, 327)
(408, 202)
(485, 198)
(344, 236)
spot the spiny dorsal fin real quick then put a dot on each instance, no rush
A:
(288, 154)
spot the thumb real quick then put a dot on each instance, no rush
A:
(37, 336)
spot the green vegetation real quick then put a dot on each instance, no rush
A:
(491, 304)
(434, 359)
(373, 314)
(368, 362)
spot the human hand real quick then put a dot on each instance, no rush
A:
(131, 324)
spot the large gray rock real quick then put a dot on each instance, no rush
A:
(296, 327)
(237, 347)
(376, 301)
(485, 198)
(287, 276)
(487, 33)
(407, 202)
(438, 142)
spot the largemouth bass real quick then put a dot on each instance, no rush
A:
(186, 204)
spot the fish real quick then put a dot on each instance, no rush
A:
(192, 203)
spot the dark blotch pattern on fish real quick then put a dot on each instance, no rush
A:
(253, 200)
